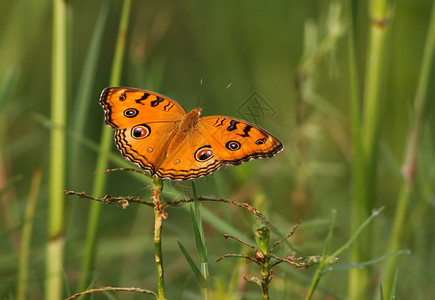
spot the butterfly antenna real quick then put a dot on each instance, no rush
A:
(229, 85)
(200, 90)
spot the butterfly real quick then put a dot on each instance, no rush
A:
(157, 134)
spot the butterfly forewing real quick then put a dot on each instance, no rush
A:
(125, 107)
(236, 141)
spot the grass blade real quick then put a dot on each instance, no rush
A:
(325, 263)
(201, 248)
(365, 163)
(87, 78)
(103, 157)
(201, 279)
(412, 154)
(23, 264)
(198, 229)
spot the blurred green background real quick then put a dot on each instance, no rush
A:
(259, 46)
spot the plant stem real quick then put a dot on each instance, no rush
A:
(324, 263)
(23, 265)
(365, 160)
(204, 272)
(84, 90)
(199, 239)
(56, 238)
(159, 214)
(265, 278)
(411, 157)
(103, 153)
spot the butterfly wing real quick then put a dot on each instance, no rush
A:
(215, 141)
(126, 106)
(191, 158)
(144, 121)
(146, 144)
(235, 141)
(155, 132)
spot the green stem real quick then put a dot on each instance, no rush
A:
(103, 153)
(374, 83)
(365, 160)
(411, 157)
(23, 264)
(84, 94)
(158, 222)
(56, 241)
(204, 272)
(324, 263)
(316, 280)
(265, 279)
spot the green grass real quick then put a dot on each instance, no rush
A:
(57, 173)
(349, 87)
(103, 154)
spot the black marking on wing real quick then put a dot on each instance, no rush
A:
(122, 97)
(233, 125)
(107, 108)
(168, 106)
(277, 147)
(217, 124)
(261, 141)
(188, 174)
(245, 131)
(144, 97)
(157, 101)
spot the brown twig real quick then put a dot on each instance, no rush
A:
(214, 199)
(110, 199)
(252, 279)
(292, 260)
(226, 236)
(238, 256)
(112, 289)
(286, 237)
(128, 169)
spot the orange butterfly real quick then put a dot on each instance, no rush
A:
(157, 134)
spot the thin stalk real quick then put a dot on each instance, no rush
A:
(365, 163)
(56, 238)
(323, 263)
(204, 272)
(159, 214)
(411, 157)
(87, 79)
(199, 239)
(23, 264)
(103, 154)
(358, 178)
(265, 279)
(358, 156)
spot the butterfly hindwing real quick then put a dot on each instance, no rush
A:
(140, 145)
(193, 157)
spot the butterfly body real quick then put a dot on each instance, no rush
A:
(157, 134)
